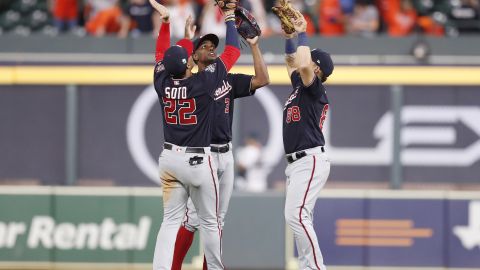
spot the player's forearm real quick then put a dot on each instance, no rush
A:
(261, 72)
(231, 37)
(232, 46)
(163, 41)
(290, 50)
(304, 58)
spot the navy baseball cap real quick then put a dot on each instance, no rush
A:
(322, 60)
(211, 37)
(175, 60)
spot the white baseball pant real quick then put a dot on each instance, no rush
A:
(225, 174)
(181, 180)
(305, 179)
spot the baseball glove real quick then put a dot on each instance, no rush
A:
(285, 12)
(227, 4)
(247, 26)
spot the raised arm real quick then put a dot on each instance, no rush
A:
(190, 28)
(261, 77)
(163, 39)
(290, 53)
(303, 57)
(231, 53)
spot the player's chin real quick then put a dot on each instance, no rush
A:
(211, 60)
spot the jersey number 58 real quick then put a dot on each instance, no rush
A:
(293, 114)
(179, 111)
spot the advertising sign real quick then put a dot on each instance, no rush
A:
(102, 228)
(379, 232)
(464, 233)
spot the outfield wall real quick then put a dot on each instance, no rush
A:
(116, 228)
(101, 125)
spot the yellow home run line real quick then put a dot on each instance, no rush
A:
(140, 75)
(388, 223)
(419, 233)
(379, 242)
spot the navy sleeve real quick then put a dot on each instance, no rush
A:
(212, 76)
(159, 76)
(241, 84)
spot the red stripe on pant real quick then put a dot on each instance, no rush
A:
(300, 214)
(216, 207)
(186, 216)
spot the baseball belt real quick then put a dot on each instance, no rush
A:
(220, 149)
(195, 150)
(298, 155)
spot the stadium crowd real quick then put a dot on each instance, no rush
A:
(132, 18)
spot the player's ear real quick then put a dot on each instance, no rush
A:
(195, 57)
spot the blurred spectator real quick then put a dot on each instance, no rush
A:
(327, 17)
(347, 6)
(311, 14)
(364, 20)
(103, 17)
(464, 15)
(431, 16)
(331, 18)
(65, 14)
(258, 10)
(401, 19)
(179, 12)
(211, 20)
(430, 27)
(252, 175)
(139, 18)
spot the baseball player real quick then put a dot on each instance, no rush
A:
(303, 117)
(232, 87)
(185, 165)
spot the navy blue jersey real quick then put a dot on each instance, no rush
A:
(188, 104)
(232, 87)
(303, 115)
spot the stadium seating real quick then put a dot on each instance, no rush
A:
(30, 16)
(24, 16)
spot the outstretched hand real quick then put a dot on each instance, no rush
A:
(164, 14)
(190, 28)
(253, 41)
(299, 23)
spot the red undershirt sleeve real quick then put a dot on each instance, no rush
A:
(163, 41)
(230, 56)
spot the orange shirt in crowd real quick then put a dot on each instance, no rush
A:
(331, 18)
(310, 27)
(109, 19)
(402, 23)
(430, 27)
(387, 8)
(65, 10)
(400, 16)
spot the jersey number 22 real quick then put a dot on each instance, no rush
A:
(179, 111)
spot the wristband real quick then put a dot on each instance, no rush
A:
(290, 46)
(302, 39)
(230, 17)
